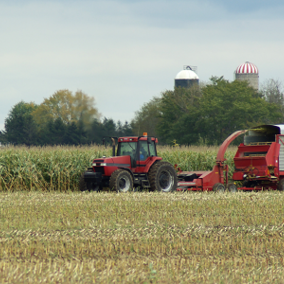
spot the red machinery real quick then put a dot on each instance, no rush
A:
(135, 164)
(259, 163)
(209, 180)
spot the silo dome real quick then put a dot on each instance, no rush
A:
(248, 72)
(247, 68)
(186, 78)
(186, 75)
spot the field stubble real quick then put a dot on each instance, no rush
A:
(51, 237)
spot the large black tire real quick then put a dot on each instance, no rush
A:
(232, 187)
(280, 185)
(121, 181)
(163, 177)
(218, 187)
(83, 185)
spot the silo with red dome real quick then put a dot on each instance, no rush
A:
(248, 72)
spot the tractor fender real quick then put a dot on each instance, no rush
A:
(153, 161)
(127, 169)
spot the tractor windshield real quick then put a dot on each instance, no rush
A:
(127, 149)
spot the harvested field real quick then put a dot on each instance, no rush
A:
(53, 237)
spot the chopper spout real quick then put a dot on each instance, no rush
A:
(226, 143)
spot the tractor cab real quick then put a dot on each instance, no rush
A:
(139, 149)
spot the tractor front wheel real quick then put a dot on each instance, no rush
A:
(121, 181)
(219, 187)
(280, 186)
(83, 185)
(163, 177)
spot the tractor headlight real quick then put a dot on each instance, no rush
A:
(99, 164)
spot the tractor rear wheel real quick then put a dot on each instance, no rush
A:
(163, 177)
(280, 186)
(218, 187)
(83, 185)
(121, 181)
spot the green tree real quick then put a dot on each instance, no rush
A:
(72, 135)
(101, 129)
(20, 126)
(272, 91)
(147, 118)
(229, 106)
(126, 129)
(213, 112)
(78, 108)
(179, 110)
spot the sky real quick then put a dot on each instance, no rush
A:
(125, 52)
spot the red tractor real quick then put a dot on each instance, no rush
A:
(135, 165)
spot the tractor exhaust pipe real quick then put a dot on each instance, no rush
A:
(113, 146)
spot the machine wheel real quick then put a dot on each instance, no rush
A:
(218, 187)
(280, 185)
(83, 185)
(121, 181)
(232, 187)
(162, 177)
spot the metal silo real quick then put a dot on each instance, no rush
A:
(187, 77)
(248, 72)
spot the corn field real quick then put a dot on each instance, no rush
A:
(59, 168)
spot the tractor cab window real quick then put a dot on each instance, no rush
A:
(144, 151)
(152, 148)
(127, 149)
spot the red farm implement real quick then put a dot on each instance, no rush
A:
(259, 163)
(209, 180)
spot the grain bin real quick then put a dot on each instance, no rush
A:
(187, 77)
(248, 72)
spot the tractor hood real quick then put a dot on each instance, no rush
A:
(119, 161)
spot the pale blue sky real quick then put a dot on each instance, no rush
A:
(125, 52)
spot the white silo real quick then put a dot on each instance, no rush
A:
(248, 72)
(187, 77)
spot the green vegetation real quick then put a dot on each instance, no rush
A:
(59, 168)
(207, 114)
(62, 119)
(141, 237)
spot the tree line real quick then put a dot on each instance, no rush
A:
(209, 113)
(63, 119)
(204, 114)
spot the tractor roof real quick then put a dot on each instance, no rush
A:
(135, 139)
